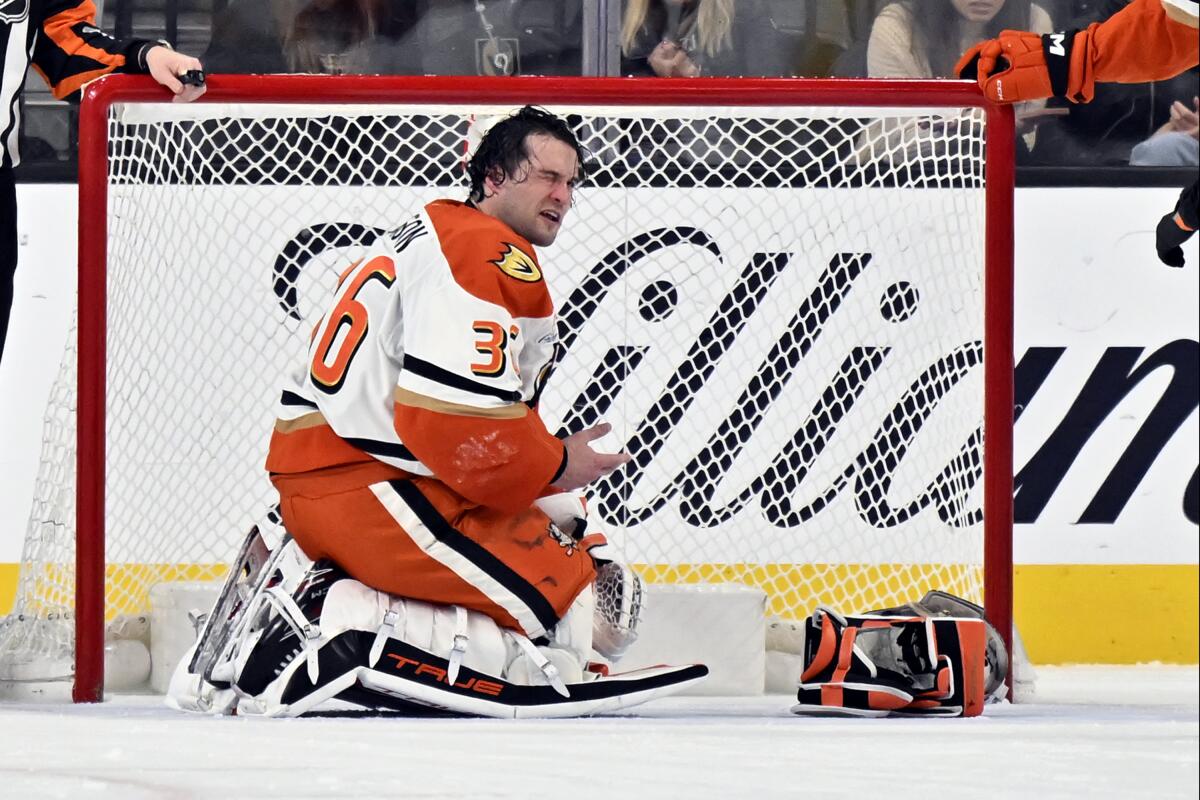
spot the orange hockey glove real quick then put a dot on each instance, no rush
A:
(1017, 66)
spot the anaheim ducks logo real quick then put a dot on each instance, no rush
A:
(13, 10)
(516, 263)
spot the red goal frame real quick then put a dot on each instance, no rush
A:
(100, 95)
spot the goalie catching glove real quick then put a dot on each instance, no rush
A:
(876, 665)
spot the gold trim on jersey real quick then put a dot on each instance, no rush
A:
(300, 423)
(407, 398)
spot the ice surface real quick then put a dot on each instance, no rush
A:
(1095, 732)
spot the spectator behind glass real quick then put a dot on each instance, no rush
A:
(687, 38)
(925, 39)
(1176, 143)
(497, 37)
(317, 36)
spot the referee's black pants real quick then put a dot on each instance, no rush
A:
(8, 248)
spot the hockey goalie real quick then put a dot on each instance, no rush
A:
(435, 553)
(429, 550)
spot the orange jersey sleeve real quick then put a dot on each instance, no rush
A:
(501, 463)
(1139, 43)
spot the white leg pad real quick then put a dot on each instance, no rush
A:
(499, 672)
(351, 605)
(569, 649)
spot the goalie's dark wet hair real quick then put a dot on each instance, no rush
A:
(504, 147)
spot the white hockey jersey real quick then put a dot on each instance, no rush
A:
(431, 359)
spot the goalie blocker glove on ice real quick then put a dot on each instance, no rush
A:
(1017, 66)
(873, 666)
(1178, 226)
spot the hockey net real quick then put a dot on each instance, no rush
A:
(775, 292)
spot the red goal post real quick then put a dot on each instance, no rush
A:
(744, 97)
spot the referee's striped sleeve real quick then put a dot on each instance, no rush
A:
(71, 50)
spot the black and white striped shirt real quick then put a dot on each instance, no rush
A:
(61, 39)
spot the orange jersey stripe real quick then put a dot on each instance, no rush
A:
(311, 447)
(66, 86)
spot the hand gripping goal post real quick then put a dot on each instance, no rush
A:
(791, 298)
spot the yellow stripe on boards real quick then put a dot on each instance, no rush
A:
(1108, 613)
(8, 586)
(1067, 614)
(127, 585)
(794, 590)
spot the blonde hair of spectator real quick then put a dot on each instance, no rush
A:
(358, 20)
(714, 23)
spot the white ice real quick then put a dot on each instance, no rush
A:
(1094, 732)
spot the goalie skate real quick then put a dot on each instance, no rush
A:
(201, 681)
(241, 582)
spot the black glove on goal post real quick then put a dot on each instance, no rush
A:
(1178, 226)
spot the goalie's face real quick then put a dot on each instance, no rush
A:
(535, 199)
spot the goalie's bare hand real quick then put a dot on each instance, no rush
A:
(166, 65)
(584, 464)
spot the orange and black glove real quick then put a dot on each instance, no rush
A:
(1018, 66)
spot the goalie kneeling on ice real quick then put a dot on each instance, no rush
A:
(875, 665)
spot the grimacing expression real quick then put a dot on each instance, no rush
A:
(978, 10)
(534, 200)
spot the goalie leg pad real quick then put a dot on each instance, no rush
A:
(293, 665)
(381, 651)
(877, 665)
(411, 676)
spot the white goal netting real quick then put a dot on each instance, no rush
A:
(779, 309)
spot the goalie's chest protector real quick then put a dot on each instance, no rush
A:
(449, 310)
